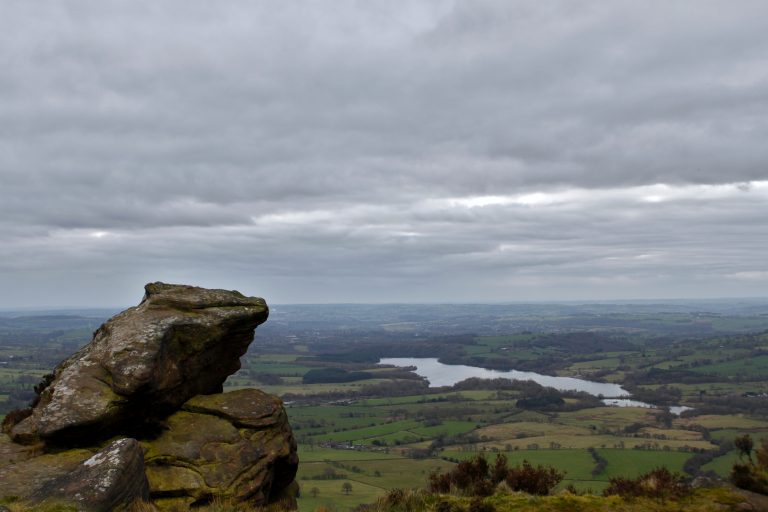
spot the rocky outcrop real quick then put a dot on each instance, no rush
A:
(181, 341)
(139, 413)
(235, 445)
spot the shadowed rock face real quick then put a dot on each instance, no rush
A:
(144, 363)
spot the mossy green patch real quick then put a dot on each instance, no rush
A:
(186, 435)
(169, 480)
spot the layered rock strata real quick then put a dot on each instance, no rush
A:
(236, 444)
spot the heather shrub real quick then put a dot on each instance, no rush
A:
(475, 477)
(14, 417)
(762, 454)
(660, 484)
(445, 506)
(538, 480)
(751, 475)
(750, 478)
(401, 500)
(478, 505)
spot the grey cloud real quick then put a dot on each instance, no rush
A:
(175, 127)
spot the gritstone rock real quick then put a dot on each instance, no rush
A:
(155, 373)
(236, 445)
(142, 364)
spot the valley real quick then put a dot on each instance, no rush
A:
(364, 427)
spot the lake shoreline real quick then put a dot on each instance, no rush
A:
(440, 374)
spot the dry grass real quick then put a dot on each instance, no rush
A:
(676, 434)
(21, 506)
(505, 431)
(714, 422)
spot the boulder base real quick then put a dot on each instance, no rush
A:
(235, 445)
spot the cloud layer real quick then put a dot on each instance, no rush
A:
(383, 151)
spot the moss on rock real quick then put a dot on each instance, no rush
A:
(239, 446)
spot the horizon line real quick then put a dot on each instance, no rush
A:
(432, 303)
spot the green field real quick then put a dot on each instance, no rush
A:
(753, 367)
(319, 454)
(284, 369)
(430, 398)
(447, 428)
(756, 434)
(632, 463)
(331, 496)
(368, 434)
(722, 465)
(718, 422)
(370, 479)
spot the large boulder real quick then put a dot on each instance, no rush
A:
(143, 364)
(236, 445)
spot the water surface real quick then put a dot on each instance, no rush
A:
(625, 402)
(439, 374)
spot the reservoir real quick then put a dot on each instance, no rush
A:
(439, 374)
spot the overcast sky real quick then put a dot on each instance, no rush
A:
(380, 151)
